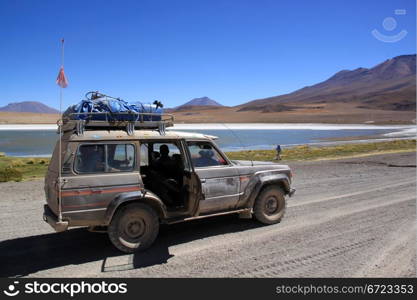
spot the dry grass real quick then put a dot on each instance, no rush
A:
(29, 168)
(306, 152)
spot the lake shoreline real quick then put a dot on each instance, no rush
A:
(323, 143)
(38, 140)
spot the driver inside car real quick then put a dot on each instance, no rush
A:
(206, 159)
(164, 162)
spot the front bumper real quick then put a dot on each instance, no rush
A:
(50, 218)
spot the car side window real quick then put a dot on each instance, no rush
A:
(203, 154)
(68, 160)
(144, 154)
(102, 158)
(120, 157)
(90, 159)
(164, 155)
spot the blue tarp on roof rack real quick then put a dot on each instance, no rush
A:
(104, 108)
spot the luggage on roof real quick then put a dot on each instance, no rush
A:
(100, 107)
(102, 111)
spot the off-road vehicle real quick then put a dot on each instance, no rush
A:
(129, 177)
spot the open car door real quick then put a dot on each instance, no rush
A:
(192, 183)
(168, 172)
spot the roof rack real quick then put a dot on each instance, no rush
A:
(129, 121)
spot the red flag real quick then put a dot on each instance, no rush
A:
(61, 80)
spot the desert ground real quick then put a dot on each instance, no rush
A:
(352, 217)
(27, 118)
(336, 113)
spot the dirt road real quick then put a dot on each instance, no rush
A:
(349, 217)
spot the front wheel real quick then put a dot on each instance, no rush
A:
(269, 206)
(134, 228)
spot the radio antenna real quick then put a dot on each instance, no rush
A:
(63, 83)
(239, 140)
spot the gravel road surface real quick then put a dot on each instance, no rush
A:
(349, 218)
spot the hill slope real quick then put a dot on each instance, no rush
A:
(29, 106)
(203, 101)
(390, 85)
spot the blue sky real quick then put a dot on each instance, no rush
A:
(173, 51)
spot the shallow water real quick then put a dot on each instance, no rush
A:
(41, 142)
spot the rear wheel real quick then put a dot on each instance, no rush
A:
(134, 228)
(270, 205)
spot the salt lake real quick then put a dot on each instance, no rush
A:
(39, 140)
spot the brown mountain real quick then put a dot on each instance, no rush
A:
(199, 103)
(29, 106)
(390, 85)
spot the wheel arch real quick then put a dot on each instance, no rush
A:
(147, 198)
(278, 180)
(282, 183)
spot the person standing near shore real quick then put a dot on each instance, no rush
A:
(279, 150)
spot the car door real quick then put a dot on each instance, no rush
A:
(100, 172)
(218, 176)
(190, 190)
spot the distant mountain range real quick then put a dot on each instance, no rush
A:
(29, 106)
(198, 103)
(391, 85)
(38, 107)
(388, 86)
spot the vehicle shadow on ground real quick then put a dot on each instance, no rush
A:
(24, 256)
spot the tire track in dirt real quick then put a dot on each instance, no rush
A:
(338, 197)
(222, 262)
(329, 232)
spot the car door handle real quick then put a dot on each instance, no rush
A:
(202, 180)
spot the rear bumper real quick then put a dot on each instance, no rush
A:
(50, 218)
(291, 193)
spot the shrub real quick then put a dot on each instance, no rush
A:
(10, 174)
(16, 163)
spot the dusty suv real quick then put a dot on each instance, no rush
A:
(129, 182)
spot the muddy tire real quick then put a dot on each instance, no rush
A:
(134, 228)
(269, 207)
